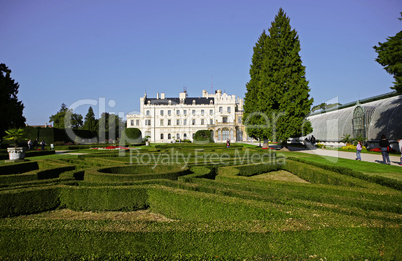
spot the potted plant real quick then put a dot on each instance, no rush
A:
(16, 135)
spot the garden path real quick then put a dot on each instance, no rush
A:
(395, 160)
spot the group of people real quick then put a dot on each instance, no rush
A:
(34, 144)
(384, 146)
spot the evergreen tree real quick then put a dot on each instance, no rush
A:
(252, 117)
(90, 121)
(390, 56)
(10, 108)
(282, 93)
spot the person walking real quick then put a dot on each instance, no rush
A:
(35, 144)
(359, 148)
(384, 145)
(30, 143)
(228, 143)
(400, 149)
(42, 145)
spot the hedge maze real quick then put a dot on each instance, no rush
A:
(218, 210)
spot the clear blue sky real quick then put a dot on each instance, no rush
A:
(67, 51)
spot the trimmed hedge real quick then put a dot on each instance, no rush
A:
(117, 198)
(135, 173)
(198, 172)
(198, 206)
(58, 241)
(318, 175)
(28, 201)
(34, 153)
(16, 168)
(388, 182)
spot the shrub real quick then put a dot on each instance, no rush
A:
(320, 145)
(203, 136)
(131, 136)
(352, 147)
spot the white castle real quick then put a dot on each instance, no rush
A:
(167, 120)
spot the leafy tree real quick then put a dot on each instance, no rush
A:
(390, 56)
(65, 118)
(110, 126)
(252, 118)
(10, 108)
(90, 121)
(284, 93)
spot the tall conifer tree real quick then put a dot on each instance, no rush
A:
(90, 121)
(283, 92)
(10, 107)
(251, 117)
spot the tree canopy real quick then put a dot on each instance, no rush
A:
(390, 56)
(277, 95)
(10, 107)
(65, 118)
(110, 125)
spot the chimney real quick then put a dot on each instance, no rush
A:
(162, 95)
(157, 95)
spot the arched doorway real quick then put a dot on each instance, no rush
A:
(359, 124)
(225, 134)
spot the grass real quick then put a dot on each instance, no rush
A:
(270, 216)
